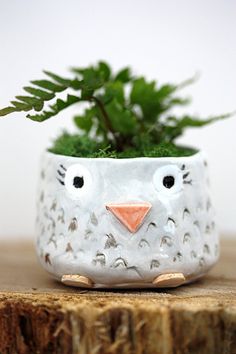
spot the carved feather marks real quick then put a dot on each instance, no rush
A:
(171, 225)
(144, 244)
(206, 249)
(93, 219)
(53, 240)
(178, 257)
(202, 262)
(166, 241)
(61, 173)
(41, 198)
(42, 174)
(186, 176)
(100, 259)
(73, 226)
(54, 205)
(111, 241)
(61, 216)
(187, 238)
(151, 225)
(154, 264)
(186, 214)
(120, 263)
(47, 259)
(69, 247)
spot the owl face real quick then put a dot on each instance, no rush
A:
(124, 221)
(124, 195)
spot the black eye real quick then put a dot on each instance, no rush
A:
(78, 182)
(168, 181)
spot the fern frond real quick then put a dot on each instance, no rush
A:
(8, 110)
(33, 102)
(189, 81)
(123, 111)
(60, 80)
(44, 95)
(174, 127)
(49, 85)
(42, 91)
(55, 109)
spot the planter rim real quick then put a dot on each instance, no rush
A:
(196, 156)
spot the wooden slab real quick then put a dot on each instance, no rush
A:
(39, 315)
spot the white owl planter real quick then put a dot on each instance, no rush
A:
(135, 222)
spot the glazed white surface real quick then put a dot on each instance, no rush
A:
(76, 234)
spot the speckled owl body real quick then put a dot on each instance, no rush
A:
(77, 234)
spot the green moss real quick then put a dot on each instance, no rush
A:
(82, 146)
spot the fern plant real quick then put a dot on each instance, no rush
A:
(126, 114)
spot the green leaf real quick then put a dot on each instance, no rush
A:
(48, 85)
(188, 121)
(179, 125)
(188, 82)
(92, 78)
(59, 79)
(101, 71)
(55, 109)
(85, 121)
(122, 119)
(7, 110)
(60, 104)
(154, 101)
(21, 106)
(76, 84)
(113, 90)
(178, 101)
(44, 95)
(105, 70)
(165, 91)
(35, 103)
(145, 95)
(91, 82)
(28, 99)
(123, 75)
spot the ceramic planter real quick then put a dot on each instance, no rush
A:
(140, 222)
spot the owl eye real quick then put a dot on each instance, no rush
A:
(78, 181)
(168, 180)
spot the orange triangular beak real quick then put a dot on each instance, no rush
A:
(130, 214)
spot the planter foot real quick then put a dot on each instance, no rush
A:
(170, 280)
(76, 280)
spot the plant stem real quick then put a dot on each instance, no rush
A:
(107, 122)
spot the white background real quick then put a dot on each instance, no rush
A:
(167, 40)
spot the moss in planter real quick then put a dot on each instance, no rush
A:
(82, 146)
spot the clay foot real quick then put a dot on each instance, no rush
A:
(170, 280)
(76, 280)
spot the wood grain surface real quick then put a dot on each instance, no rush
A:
(40, 315)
